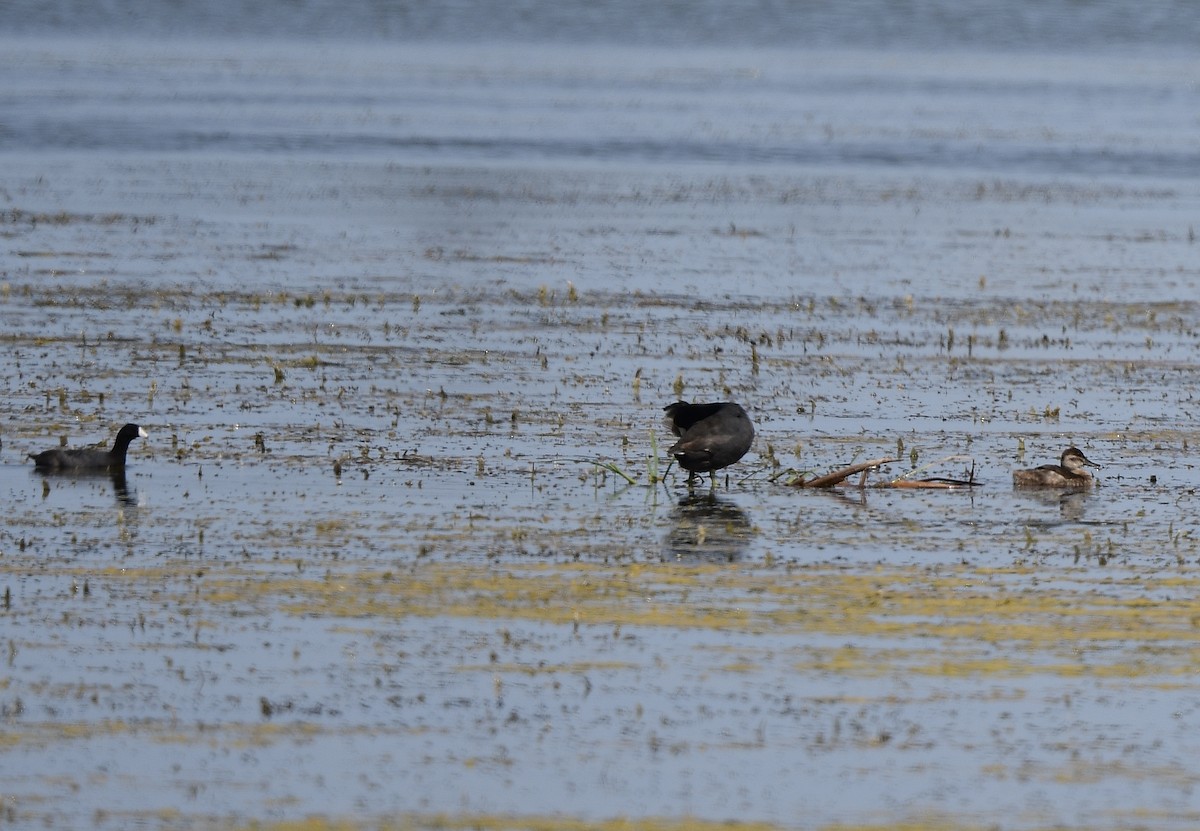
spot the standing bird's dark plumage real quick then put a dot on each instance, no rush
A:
(89, 458)
(711, 436)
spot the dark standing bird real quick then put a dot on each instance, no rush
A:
(91, 458)
(1068, 473)
(711, 436)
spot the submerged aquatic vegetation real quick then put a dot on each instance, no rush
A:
(943, 620)
(510, 822)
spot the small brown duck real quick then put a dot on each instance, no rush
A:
(89, 458)
(711, 436)
(1070, 472)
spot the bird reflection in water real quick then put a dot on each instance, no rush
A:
(1070, 503)
(708, 528)
(125, 495)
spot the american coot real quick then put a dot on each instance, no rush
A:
(1069, 473)
(90, 459)
(711, 436)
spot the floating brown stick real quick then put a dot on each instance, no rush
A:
(935, 482)
(838, 476)
(830, 480)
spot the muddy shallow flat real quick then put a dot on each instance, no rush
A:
(377, 562)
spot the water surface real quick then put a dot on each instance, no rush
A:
(395, 316)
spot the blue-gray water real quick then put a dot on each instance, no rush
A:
(1057, 26)
(1079, 88)
(389, 284)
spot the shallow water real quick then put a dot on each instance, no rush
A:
(370, 564)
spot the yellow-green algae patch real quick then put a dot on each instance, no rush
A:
(934, 620)
(486, 822)
(232, 734)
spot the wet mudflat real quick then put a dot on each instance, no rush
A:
(381, 561)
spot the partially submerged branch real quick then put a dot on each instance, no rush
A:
(837, 477)
(936, 482)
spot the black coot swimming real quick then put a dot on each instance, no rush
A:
(89, 459)
(711, 436)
